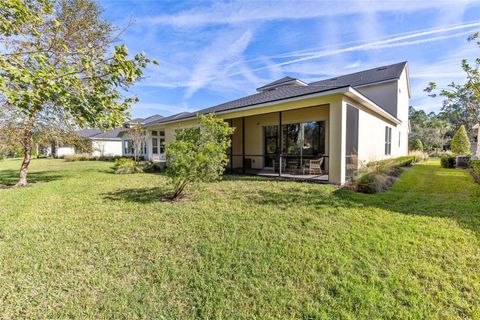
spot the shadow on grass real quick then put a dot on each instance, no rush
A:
(140, 195)
(9, 178)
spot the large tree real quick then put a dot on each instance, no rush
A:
(61, 57)
(461, 105)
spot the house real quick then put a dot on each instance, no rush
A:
(336, 124)
(104, 143)
(476, 146)
(153, 146)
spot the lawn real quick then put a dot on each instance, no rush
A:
(82, 242)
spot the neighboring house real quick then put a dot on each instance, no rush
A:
(345, 121)
(153, 147)
(104, 143)
(476, 145)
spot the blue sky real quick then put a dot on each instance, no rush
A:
(211, 52)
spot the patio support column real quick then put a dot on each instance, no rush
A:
(337, 141)
(279, 148)
(243, 144)
(231, 147)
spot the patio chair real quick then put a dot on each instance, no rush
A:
(314, 166)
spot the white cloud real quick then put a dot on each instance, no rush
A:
(241, 12)
(164, 109)
(226, 49)
(396, 41)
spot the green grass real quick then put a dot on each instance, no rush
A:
(85, 243)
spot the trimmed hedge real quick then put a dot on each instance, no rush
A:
(448, 161)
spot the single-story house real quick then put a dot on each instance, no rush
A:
(323, 130)
(153, 147)
(104, 143)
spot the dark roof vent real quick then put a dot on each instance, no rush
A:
(381, 68)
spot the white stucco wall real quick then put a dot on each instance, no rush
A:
(107, 148)
(65, 151)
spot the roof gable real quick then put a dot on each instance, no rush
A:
(280, 83)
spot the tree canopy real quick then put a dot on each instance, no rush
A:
(61, 57)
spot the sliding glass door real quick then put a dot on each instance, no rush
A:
(300, 141)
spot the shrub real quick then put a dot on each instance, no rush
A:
(418, 156)
(107, 158)
(78, 157)
(154, 167)
(448, 161)
(378, 176)
(417, 145)
(373, 182)
(198, 154)
(126, 166)
(460, 143)
(475, 165)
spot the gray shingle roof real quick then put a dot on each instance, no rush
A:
(380, 74)
(281, 81)
(95, 133)
(180, 115)
(87, 133)
(109, 134)
(374, 75)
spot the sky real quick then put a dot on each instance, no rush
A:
(210, 52)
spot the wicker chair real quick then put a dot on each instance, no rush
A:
(314, 166)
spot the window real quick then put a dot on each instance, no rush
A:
(128, 147)
(154, 145)
(162, 133)
(154, 133)
(388, 141)
(162, 145)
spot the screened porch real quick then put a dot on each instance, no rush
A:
(289, 144)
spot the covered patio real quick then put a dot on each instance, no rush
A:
(290, 144)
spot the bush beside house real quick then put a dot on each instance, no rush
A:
(379, 175)
(475, 169)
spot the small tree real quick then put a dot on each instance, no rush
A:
(198, 154)
(460, 142)
(417, 145)
(137, 134)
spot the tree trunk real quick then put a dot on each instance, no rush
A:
(27, 152)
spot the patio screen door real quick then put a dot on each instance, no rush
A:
(271, 143)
